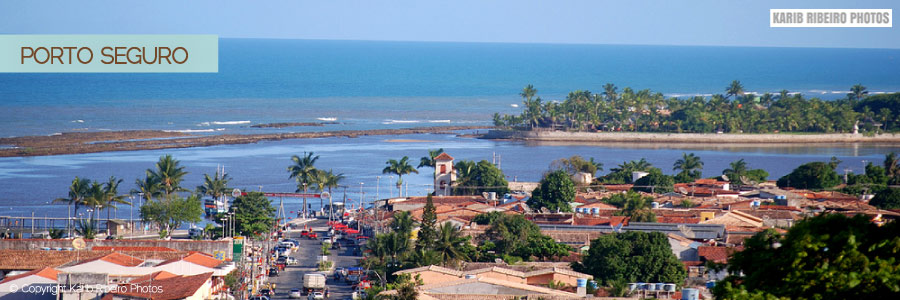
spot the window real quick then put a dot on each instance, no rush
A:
(443, 169)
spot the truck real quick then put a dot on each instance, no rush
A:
(313, 282)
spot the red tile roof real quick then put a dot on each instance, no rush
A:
(196, 258)
(152, 277)
(164, 289)
(716, 254)
(49, 273)
(124, 248)
(443, 156)
(117, 258)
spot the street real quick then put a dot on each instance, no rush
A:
(306, 255)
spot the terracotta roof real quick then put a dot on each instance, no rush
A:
(677, 219)
(125, 248)
(203, 259)
(36, 259)
(521, 286)
(152, 277)
(169, 288)
(433, 268)
(600, 205)
(116, 258)
(715, 253)
(443, 156)
(49, 273)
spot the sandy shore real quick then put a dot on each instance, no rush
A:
(92, 142)
(693, 138)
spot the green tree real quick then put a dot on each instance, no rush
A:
(111, 196)
(171, 213)
(542, 247)
(829, 256)
(857, 92)
(487, 218)
(148, 188)
(892, 167)
(480, 178)
(254, 214)
(510, 232)
(634, 206)
(734, 89)
(449, 243)
(690, 166)
(77, 191)
(87, 229)
(303, 169)
(632, 256)
(215, 187)
(655, 182)
(554, 192)
(622, 173)
(168, 175)
(888, 198)
(428, 228)
(402, 223)
(332, 181)
(575, 164)
(813, 175)
(428, 161)
(400, 167)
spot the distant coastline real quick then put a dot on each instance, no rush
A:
(695, 138)
(93, 142)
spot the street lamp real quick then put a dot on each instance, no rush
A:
(360, 212)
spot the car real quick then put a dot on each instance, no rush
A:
(295, 293)
(273, 272)
(266, 292)
(292, 261)
(318, 295)
(304, 233)
(312, 236)
(352, 278)
(259, 298)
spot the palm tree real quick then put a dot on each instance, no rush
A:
(734, 89)
(736, 169)
(302, 170)
(401, 167)
(402, 223)
(332, 181)
(168, 175)
(94, 198)
(318, 180)
(597, 164)
(892, 165)
(464, 170)
(689, 164)
(528, 92)
(609, 90)
(857, 92)
(215, 187)
(428, 161)
(449, 243)
(77, 191)
(111, 197)
(148, 188)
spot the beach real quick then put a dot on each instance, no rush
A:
(691, 138)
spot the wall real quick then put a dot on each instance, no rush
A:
(201, 246)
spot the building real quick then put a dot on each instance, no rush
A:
(22, 286)
(444, 175)
(531, 275)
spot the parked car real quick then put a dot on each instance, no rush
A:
(292, 261)
(318, 295)
(273, 272)
(295, 293)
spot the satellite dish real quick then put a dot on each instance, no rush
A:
(324, 195)
(486, 195)
(79, 244)
(725, 177)
(236, 193)
(745, 179)
(682, 190)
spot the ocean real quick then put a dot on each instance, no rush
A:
(370, 85)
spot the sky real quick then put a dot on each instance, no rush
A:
(647, 22)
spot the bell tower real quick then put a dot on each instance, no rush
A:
(444, 176)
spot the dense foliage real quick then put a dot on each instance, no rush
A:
(888, 198)
(169, 214)
(622, 173)
(655, 182)
(554, 192)
(512, 237)
(633, 205)
(477, 178)
(825, 257)
(576, 164)
(254, 214)
(736, 111)
(632, 257)
(428, 229)
(815, 175)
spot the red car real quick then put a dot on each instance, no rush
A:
(312, 235)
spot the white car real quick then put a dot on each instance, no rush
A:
(291, 261)
(318, 295)
(295, 293)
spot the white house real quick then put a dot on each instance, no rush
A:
(29, 285)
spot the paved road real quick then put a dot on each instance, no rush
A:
(292, 276)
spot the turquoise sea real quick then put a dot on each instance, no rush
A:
(366, 85)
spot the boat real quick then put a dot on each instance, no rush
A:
(514, 105)
(327, 119)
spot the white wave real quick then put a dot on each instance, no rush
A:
(327, 119)
(78, 121)
(229, 122)
(56, 133)
(839, 92)
(203, 124)
(438, 121)
(878, 93)
(514, 105)
(220, 129)
(191, 130)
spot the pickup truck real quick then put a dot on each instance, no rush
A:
(313, 282)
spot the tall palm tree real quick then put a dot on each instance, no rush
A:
(736, 170)
(215, 187)
(332, 181)
(528, 92)
(77, 191)
(302, 169)
(734, 89)
(148, 187)
(428, 161)
(400, 167)
(609, 91)
(94, 199)
(111, 197)
(857, 92)
(168, 175)
(318, 180)
(402, 223)
(449, 243)
(689, 164)
(464, 170)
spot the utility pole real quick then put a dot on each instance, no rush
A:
(360, 211)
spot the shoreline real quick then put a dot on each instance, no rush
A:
(132, 140)
(689, 138)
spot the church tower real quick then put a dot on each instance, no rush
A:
(444, 176)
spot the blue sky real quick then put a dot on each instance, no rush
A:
(650, 22)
